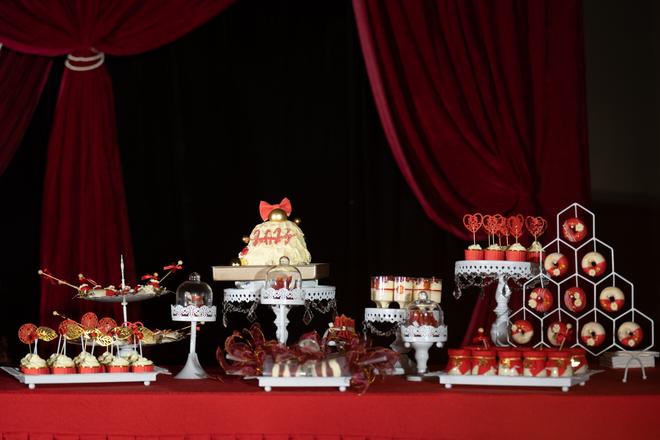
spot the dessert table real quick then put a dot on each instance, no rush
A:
(232, 408)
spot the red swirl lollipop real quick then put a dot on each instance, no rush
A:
(64, 326)
(107, 324)
(89, 321)
(27, 333)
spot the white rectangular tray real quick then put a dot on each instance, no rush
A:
(31, 380)
(268, 382)
(519, 381)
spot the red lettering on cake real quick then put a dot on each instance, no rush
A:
(271, 237)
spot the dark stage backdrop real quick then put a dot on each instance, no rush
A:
(270, 99)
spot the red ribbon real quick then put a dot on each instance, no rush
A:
(149, 277)
(266, 208)
(173, 267)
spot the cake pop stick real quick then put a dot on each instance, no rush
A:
(44, 273)
(172, 268)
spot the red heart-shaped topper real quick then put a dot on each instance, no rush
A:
(501, 225)
(491, 224)
(516, 223)
(536, 225)
(27, 333)
(107, 324)
(473, 222)
(64, 326)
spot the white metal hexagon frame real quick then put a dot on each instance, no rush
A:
(595, 284)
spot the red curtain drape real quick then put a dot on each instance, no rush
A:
(22, 78)
(84, 219)
(483, 104)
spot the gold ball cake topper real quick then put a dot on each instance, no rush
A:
(277, 215)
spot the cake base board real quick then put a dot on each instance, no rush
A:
(258, 273)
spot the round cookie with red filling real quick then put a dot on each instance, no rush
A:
(522, 331)
(592, 334)
(540, 299)
(574, 229)
(594, 264)
(556, 264)
(612, 299)
(575, 299)
(630, 334)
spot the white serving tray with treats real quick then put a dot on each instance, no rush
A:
(131, 297)
(32, 380)
(340, 382)
(258, 273)
(517, 381)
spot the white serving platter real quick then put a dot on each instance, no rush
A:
(131, 297)
(268, 382)
(518, 381)
(32, 380)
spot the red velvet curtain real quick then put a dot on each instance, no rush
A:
(22, 78)
(482, 102)
(483, 105)
(84, 219)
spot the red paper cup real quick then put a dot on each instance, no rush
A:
(516, 255)
(492, 254)
(142, 368)
(535, 256)
(63, 370)
(474, 254)
(31, 371)
(117, 369)
(90, 370)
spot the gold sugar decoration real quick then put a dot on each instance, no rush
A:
(104, 340)
(148, 336)
(122, 333)
(74, 331)
(46, 333)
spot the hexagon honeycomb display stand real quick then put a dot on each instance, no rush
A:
(592, 287)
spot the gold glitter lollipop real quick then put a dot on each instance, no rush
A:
(46, 333)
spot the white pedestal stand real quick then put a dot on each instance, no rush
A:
(421, 338)
(193, 314)
(482, 273)
(281, 301)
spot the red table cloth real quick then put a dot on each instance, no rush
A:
(238, 409)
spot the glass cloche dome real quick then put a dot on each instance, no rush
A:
(284, 276)
(194, 292)
(425, 312)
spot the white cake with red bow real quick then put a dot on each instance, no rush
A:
(276, 237)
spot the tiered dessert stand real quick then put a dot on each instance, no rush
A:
(249, 293)
(483, 273)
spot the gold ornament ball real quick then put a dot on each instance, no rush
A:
(277, 215)
(297, 221)
(235, 262)
(246, 239)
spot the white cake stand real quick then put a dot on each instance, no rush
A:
(421, 338)
(193, 314)
(482, 273)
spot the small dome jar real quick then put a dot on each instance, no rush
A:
(194, 292)
(284, 276)
(423, 311)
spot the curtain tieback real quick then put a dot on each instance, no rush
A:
(83, 63)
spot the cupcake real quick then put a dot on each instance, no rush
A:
(474, 252)
(87, 363)
(105, 358)
(516, 252)
(118, 365)
(142, 365)
(131, 356)
(494, 252)
(51, 359)
(63, 365)
(33, 364)
(535, 252)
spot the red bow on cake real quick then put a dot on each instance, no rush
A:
(266, 208)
